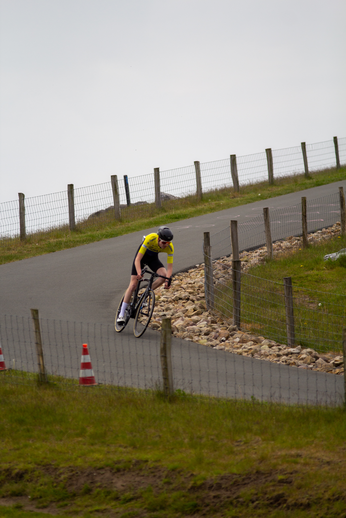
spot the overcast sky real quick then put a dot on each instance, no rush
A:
(91, 88)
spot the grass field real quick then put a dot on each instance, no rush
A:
(104, 452)
(101, 451)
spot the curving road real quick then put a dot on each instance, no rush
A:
(84, 285)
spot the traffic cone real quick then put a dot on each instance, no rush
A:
(86, 375)
(2, 362)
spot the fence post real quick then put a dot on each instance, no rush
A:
(127, 190)
(234, 240)
(236, 273)
(71, 213)
(236, 284)
(305, 158)
(166, 356)
(157, 187)
(42, 375)
(336, 146)
(198, 179)
(289, 311)
(116, 197)
(234, 173)
(342, 211)
(22, 216)
(208, 272)
(270, 166)
(304, 223)
(268, 232)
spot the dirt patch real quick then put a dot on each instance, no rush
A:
(248, 493)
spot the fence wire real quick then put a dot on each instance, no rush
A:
(95, 202)
(284, 222)
(319, 318)
(121, 361)
(179, 182)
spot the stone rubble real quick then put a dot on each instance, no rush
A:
(185, 305)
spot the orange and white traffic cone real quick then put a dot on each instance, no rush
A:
(2, 361)
(86, 375)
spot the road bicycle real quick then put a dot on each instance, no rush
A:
(141, 305)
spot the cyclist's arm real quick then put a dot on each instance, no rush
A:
(138, 259)
(169, 273)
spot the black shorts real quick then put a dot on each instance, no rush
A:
(150, 259)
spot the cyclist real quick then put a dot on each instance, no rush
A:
(147, 254)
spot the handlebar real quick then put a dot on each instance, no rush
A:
(154, 274)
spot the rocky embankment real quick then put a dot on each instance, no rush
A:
(185, 305)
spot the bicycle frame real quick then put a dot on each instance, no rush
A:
(150, 280)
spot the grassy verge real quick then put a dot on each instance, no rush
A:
(123, 453)
(146, 216)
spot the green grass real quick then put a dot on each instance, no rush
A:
(146, 216)
(319, 289)
(88, 451)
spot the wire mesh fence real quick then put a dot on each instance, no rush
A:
(320, 155)
(319, 318)
(179, 182)
(284, 222)
(123, 361)
(96, 203)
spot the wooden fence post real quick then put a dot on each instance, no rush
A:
(268, 232)
(289, 311)
(337, 157)
(234, 240)
(270, 166)
(127, 190)
(342, 211)
(116, 197)
(157, 187)
(304, 223)
(236, 273)
(71, 212)
(305, 158)
(208, 272)
(22, 230)
(166, 356)
(234, 173)
(42, 375)
(198, 179)
(236, 284)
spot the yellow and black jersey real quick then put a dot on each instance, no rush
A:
(150, 244)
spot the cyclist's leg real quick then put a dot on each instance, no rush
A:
(126, 300)
(157, 282)
(157, 267)
(131, 288)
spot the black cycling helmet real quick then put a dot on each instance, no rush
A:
(165, 234)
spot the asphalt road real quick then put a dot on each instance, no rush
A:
(84, 284)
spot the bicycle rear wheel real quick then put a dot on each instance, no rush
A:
(144, 313)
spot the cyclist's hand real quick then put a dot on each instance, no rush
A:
(139, 276)
(168, 284)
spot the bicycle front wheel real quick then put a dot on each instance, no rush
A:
(144, 313)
